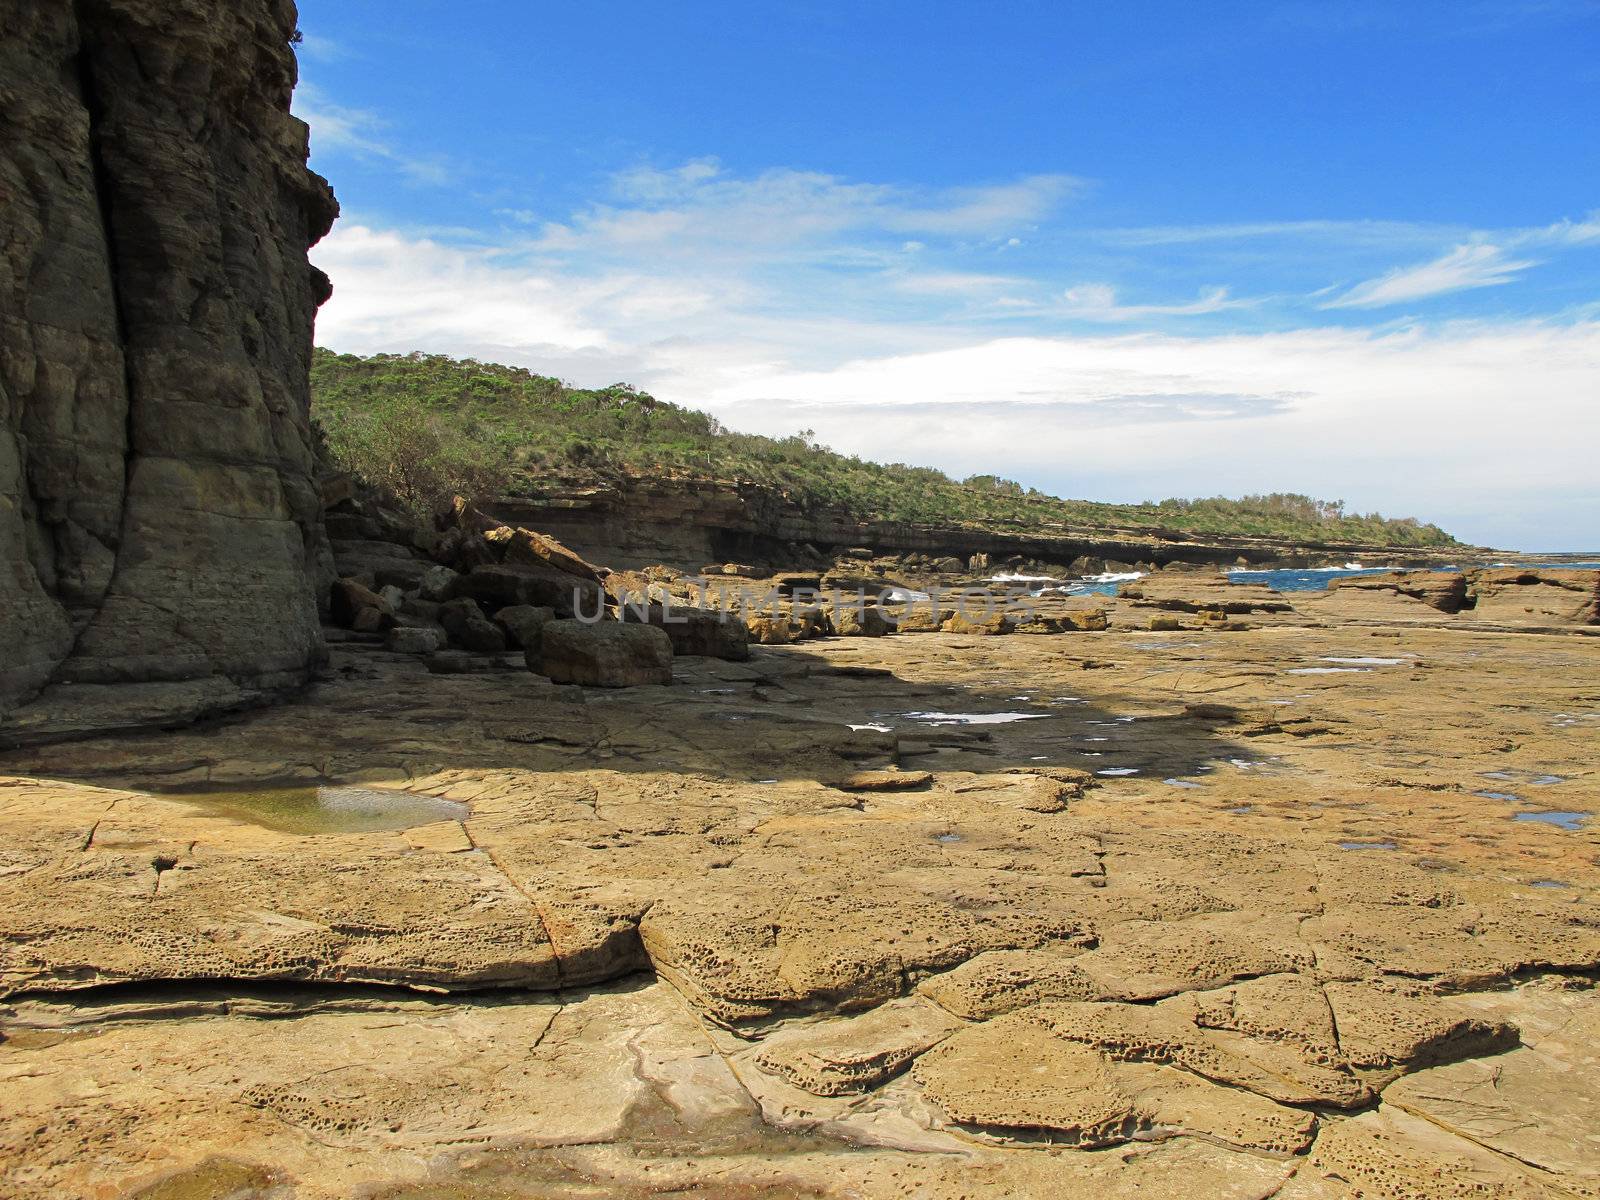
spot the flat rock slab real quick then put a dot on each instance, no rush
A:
(153, 891)
(859, 1053)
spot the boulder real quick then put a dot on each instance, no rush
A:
(860, 620)
(464, 621)
(922, 618)
(791, 583)
(350, 602)
(514, 545)
(502, 585)
(1079, 620)
(772, 630)
(984, 624)
(437, 584)
(523, 622)
(404, 576)
(695, 631)
(603, 654)
(414, 639)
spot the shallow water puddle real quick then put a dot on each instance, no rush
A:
(1180, 783)
(1509, 796)
(1369, 846)
(1570, 821)
(1329, 671)
(325, 808)
(944, 718)
(1363, 661)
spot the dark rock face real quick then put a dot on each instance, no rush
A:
(161, 544)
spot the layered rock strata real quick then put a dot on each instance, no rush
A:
(161, 545)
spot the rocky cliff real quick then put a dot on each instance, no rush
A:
(685, 522)
(161, 543)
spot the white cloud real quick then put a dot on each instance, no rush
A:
(699, 208)
(1098, 302)
(1473, 265)
(1487, 429)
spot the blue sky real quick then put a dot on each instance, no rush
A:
(1117, 251)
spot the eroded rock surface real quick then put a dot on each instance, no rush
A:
(937, 915)
(161, 545)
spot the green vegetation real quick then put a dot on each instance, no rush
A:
(427, 426)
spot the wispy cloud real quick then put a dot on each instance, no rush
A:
(700, 206)
(1098, 302)
(1350, 233)
(1474, 265)
(337, 129)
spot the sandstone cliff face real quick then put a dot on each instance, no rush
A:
(160, 531)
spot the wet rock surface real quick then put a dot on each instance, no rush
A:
(911, 915)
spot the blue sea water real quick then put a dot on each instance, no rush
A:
(1316, 579)
(1306, 579)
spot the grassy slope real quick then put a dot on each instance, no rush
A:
(427, 424)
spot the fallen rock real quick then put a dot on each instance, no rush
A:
(860, 620)
(694, 631)
(414, 639)
(437, 584)
(990, 624)
(355, 606)
(525, 623)
(772, 630)
(505, 585)
(603, 654)
(922, 618)
(515, 545)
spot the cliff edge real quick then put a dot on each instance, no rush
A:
(161, 544)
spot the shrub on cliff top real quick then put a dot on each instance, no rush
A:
(429, 426)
